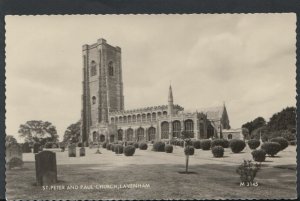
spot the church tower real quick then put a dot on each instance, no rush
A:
(102, 85)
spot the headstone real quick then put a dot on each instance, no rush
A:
(26, 148)
(82, 151)
(36, 147)
(45, 167)
(72, 150)
(14, 156)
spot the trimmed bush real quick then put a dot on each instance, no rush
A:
(225, 143)
(259, 155)
(108, 147)
(143, 146)
(271, 148)
(293, 142)
(189, 150)
(118, 149)
(168, 148)
(112, 147)
(253, 144)
(104, 144)
(159, 146)
(237, 145)
(79, 144)
(205, 144)
(85, 144)
(217, 151)
(129, 150)
(136, 145)
(280, 140)
(54, 146)
(197, 144)
(217, 142)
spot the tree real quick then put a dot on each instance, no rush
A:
(72, 133)
(256, 123)
(187, 142)
(284, 120)
(38, 131)
(9, 139)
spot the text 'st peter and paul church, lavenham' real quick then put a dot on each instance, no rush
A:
(104, 118)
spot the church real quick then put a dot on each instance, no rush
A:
(104, 117)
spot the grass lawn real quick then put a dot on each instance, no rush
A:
(211, 178)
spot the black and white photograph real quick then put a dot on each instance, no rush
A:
(144, 107)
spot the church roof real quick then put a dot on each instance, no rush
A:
(145, 110)
(211, 112)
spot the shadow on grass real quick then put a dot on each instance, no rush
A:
(184, 172)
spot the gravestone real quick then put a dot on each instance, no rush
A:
(45, 167)
(72, 150)
(26, 148)
(14, 156)
(36, 147)
(82, 151)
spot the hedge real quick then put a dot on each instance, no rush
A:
(118, 149)
(217, 151)
(253, 144)
(197, 144)
(271, 148)
(205, 144)
(129, 150)
(280, 140)
(259, 155)
(159, 146)
(237, 145)
(143, 146)
(168, 148)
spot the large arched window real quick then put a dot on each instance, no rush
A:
(140, 134)
(151, 133)
(176, 129)
(102, 138)
(110, 68)
(189, 127)
(164, 130)
(129, 136)
(93, 71)
(120, 135)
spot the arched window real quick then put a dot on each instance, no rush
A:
(120, 135)
(134, 118)
(189, 127)
(112, 120)
(165, 113)
(164, 130)
(143, 117)
(125, 119)
(116, 120)
(229, 136)
(93, 68)
(140, 134)
(110, 68)
(159, 114)
(129, 136)
(148, 117)
(151, 133)
(102, 138)
(94, 136)
(153, 116)
(138, 118)
(94, 100)
(112, 138)
(129, 119)
(120, 119)
(176, 129)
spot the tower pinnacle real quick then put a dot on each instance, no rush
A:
(170, 97)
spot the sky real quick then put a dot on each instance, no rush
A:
(247, 61)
